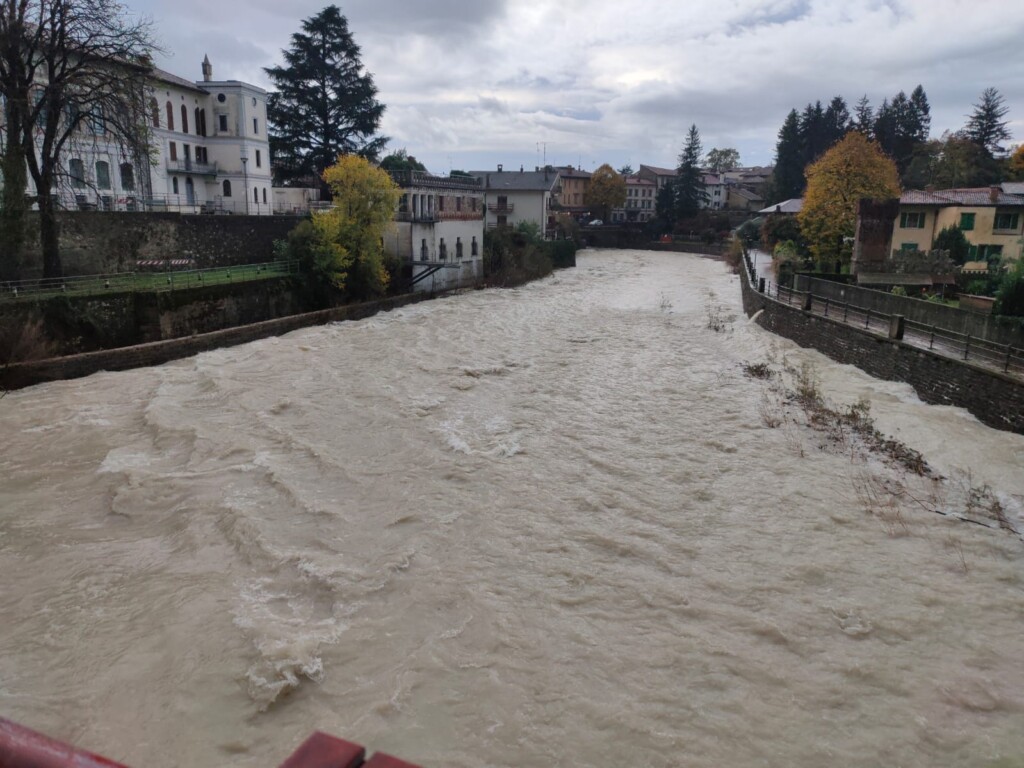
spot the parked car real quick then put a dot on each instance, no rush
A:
(596, 223)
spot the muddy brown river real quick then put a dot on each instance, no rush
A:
(554, 525)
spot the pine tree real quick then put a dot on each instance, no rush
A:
(324, 105)
(836, 121)
(690, 194)
(922, 113)
(812, 132)
(864, 117)
(788, 176)
(986, 126)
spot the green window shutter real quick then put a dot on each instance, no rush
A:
(967, 222)
(973, 252)
(908, 247)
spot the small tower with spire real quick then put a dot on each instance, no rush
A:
(207, 69)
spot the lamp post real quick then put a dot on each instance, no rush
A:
(245, 182)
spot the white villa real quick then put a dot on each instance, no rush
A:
(438, 229)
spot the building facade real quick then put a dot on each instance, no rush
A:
(211, 149)
(438, 230)
(514, 197)
(991, 219)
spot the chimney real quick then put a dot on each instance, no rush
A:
(207, 69)
(520, 168)
(993, 193)
(499, 167)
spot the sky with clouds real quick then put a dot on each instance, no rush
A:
(472, 83)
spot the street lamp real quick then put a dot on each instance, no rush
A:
(245, 182)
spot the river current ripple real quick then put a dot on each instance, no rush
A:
(540, 526)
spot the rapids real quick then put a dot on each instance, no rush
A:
(541, 526)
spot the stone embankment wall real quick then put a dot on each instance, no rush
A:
(993, 398)
(155, 353)
(101, 242)
(999, 330)
(83, 324)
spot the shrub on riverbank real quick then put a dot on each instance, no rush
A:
(514, 256)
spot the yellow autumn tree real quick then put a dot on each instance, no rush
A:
(853, 169)
(607, 190)
(349, 238)
(1016, 164)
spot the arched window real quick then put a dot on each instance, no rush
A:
(199, 128)
(154, 113)
(255, 195)
(264, 194)
(127, 177)
(184, 119)
(170, 117)
(227, 188)
(102, 174)
(174, 184)
(202, 121)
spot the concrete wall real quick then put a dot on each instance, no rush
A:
(97, 242)
(995, 399)
(992, 328)
(155, 353)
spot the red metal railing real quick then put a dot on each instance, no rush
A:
(21, 747)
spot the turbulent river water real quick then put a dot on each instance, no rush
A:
(554, 525)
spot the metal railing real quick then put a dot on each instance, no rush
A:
(130, 282)
(987, 354)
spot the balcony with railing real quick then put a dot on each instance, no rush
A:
(500, 207)
(407, 179)
(193, 167)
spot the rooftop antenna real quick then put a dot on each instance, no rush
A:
(543, 144)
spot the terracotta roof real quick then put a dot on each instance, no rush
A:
(572, 173)
(637, 181)
(974, 196)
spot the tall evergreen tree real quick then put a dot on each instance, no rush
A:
(324, 104)
(665, 205)
(922, 114)
(788, 176)
(836, 121)
(986, 126)
(690, 194)
(864, 117)
(884, 128)
(812, 132)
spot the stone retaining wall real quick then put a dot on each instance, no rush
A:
(156, 353)
(995, 399)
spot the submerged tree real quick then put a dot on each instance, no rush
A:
(324, 104)
(71, 71)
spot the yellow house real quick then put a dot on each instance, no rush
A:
(992, 220)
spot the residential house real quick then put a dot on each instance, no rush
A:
(639, 206)
(514, 197)
(715, 191)
(991, 218)
(743, 199)
(660, 176)
(438, 229)
(571, 192)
